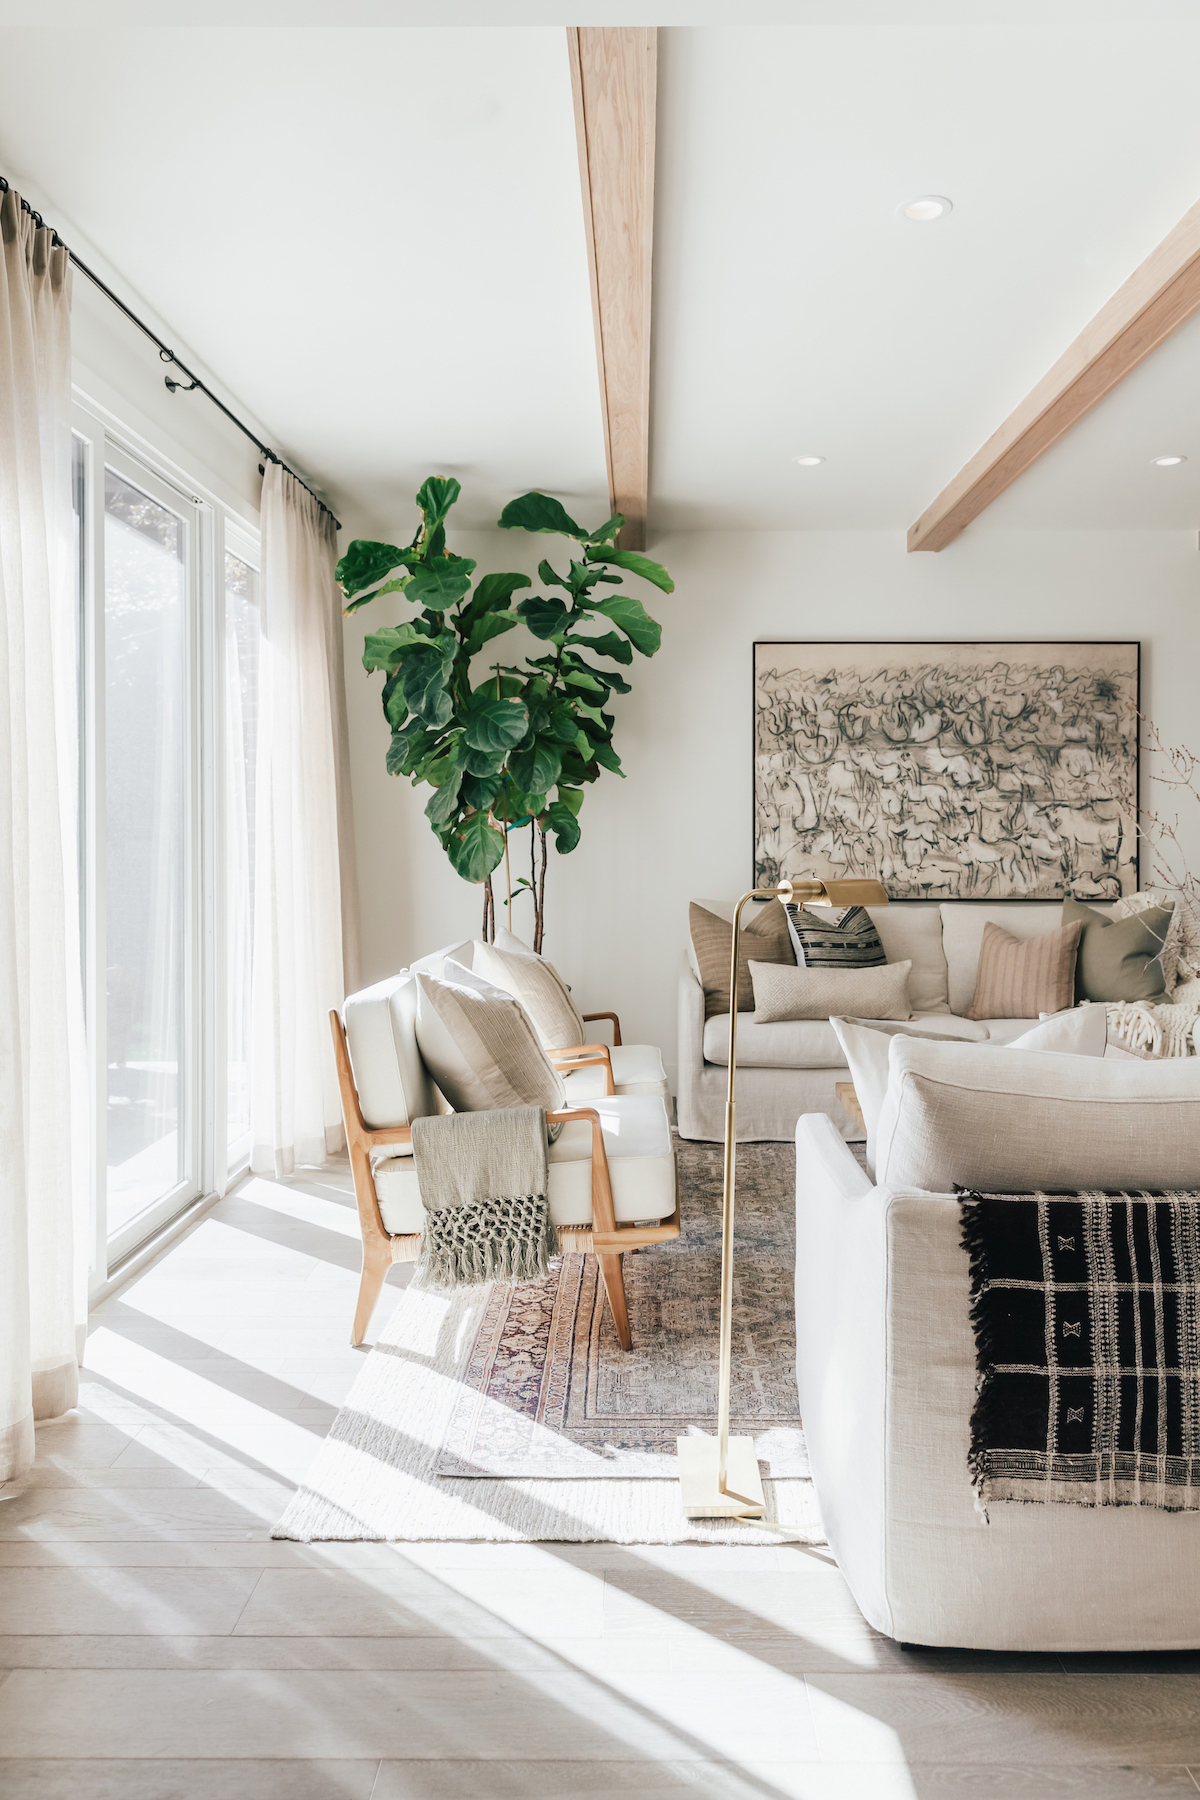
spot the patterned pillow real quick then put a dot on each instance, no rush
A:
(848, 941)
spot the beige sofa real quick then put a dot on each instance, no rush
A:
(790, 1068)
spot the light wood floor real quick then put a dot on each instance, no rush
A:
(155, 1643)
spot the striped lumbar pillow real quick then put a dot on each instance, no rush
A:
(850, 942)
(1018, 979)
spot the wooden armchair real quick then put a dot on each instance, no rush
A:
(652, 1187)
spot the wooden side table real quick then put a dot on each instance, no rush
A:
(849, 1099)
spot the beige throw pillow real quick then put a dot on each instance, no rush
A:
(539, 987)
(764, 935)
(865, 1045)
(1019, 980)
(479, 1045)
(780, 993)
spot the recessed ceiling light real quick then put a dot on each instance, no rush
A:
(1167, 462)
(926, 208)
(808, 462)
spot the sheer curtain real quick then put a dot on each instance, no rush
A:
(304, 891)
(43, 1095)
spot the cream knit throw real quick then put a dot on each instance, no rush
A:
(1154, 1031)
(484, 1178)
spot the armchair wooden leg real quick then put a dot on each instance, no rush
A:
(376, 1263)
(613, 1278)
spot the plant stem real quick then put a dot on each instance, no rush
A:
(540, 924)
(489, 913)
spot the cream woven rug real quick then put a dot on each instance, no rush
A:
(507, 1415)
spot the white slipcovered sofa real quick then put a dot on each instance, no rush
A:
(886, 1361)
(793, 1067)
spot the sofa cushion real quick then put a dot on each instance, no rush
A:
(911, 931)
(637, 1069)
(1081, 1031)
(803, 1043)
(641, 1167)
(962, 934)
(392, 1082)
(1120, 959)
(479, 1045)
(879, 993)
(1022, 978)
(1020, 1121)
(865, 1044)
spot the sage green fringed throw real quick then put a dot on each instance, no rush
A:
(484, 1179)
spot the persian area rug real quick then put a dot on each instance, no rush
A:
(512, 1414)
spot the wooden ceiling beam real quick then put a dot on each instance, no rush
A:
(1162, 294)
(613, 81)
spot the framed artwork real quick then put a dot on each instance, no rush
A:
(989, 771)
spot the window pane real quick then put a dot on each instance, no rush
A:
(145, 637)
(241, 727)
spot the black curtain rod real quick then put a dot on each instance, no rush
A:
(168, 355)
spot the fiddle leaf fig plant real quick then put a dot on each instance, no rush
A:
(502, 746)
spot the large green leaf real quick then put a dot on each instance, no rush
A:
(637, 565)
(492, 624)
(608, 530)
(480, 763)
(409, 747)
(545, 618)
(572, 798)
(608, 645)
(540, 512)
(565, 826)
(551, 577)
(631, 617)
(366, 562)
(492, 593)
(584, 679)
(424, 683)
(435, 496)
(384, 649)
(607, 757)
(608, 677)
(561, 725)
(445, 803)
(494, 724)
(474, 847)
(537, 769)
(440, 583)
(480, 790)
(395, 706)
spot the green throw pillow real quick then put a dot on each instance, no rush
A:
(1119, 959)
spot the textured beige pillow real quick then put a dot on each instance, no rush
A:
(879, 993)
(539, 987)
(764, 935)
(480, 1047)
(865, 1045)
(1019, 1121)
(1019, 980)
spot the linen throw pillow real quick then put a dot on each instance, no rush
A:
(822, 940)
(1120, 959)
(480, 1047)
(782, 993)
(865, 1045)
(539, 987)
(765, 936)
(1019, 979)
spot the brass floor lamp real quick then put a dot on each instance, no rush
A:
(719, 1476)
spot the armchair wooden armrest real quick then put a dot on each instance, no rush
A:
(616, 1024)
(582, 1056)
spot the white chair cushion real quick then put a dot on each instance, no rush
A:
(637, 1069)
(1018, 1121)
(803, 1043)
(641, 1167)
(392, 1081)
(432, 964)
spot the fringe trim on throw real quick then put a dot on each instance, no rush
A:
(487, 1240)
(1154, 1031)
(974, 1242)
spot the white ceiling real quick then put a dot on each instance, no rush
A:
(374, 238)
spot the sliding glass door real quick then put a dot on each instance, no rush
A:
(168, 693)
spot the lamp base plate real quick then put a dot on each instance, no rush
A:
(699, 1461)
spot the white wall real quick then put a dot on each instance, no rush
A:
(680, 826)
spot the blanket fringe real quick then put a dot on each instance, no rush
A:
(510, 1240)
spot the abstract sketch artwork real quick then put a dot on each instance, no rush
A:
(949, 771)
